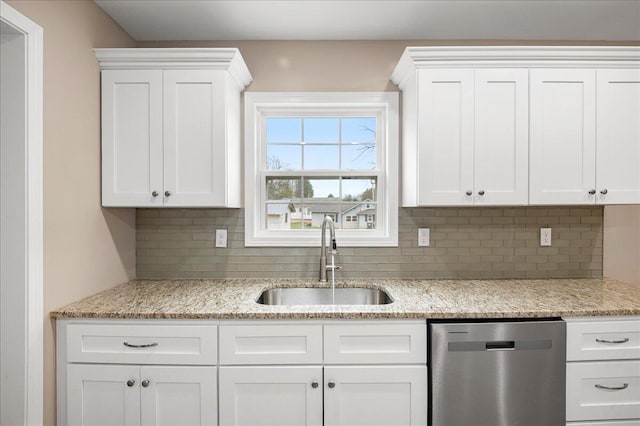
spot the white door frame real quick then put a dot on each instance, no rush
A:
(33, 234)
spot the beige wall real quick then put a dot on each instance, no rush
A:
(86, 248)
(622, 243)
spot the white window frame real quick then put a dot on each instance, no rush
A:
(260, 105)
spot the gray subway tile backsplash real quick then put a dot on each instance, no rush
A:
(470, 242)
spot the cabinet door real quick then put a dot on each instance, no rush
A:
(375, 396)
(183, 396)
(270, 396)
(98, 395)
(501, 147)
(618, 140)
(562, 131)
(445, 134)
(131, 138)
(194, 138)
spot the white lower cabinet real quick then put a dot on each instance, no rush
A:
(132, 395)
(270, 396)
(603, 372)
(346, 373)
(375, 395)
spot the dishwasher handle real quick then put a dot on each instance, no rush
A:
(502, 345)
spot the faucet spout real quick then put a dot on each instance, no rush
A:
(323, 246)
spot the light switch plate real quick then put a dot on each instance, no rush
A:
(424, 235)
(221, 238)
(545, 237)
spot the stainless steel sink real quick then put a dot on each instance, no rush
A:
(324, 296)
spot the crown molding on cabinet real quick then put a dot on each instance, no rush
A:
(415, 58)
(228, 59)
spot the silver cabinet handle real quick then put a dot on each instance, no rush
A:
(167, 193)
(145, 383)
(331, 385)
(625, 340)
(314, 384)
(131, 382)
(592, 192)
(481, 192)
(154, 193)
(148, 345)
(624, 386)
(604, 192)
(469, 193)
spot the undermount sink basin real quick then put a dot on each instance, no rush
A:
(324, 296)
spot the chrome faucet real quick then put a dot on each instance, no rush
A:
(323, 250)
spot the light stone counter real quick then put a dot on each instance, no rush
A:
(236, 299)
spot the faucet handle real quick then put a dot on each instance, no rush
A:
(334, 267)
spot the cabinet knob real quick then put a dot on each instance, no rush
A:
(481, 192)
(131, 382)
(469, 193)
(604, 192)
(167, 193)
(154, 193)
(331, 385)
(592, 192)
(314, 384)
(145, 383)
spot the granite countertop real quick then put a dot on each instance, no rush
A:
(236, 299)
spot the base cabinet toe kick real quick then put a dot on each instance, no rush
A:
(313, 372)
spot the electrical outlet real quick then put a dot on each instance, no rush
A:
(423, 237)
(545, 237)
(221, 238)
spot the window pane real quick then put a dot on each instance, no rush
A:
(358, 157)
(322, 189)
(286, 188)
(360, 129)
(321, 157)
(321, 130)
(284, 130)
(284, 157)
(358, 216)
(359, 189)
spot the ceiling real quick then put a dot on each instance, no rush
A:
(144, 20)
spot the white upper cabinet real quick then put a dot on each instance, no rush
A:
(501, 136)
(171, 127)
(520, 125)
(471, 141)
(444, 171)
(618, 136)
(131, 137)
(563, 136)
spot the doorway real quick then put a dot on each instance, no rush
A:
(21, 309)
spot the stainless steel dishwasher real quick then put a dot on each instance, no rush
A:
(498, 373)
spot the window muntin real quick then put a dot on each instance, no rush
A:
(321, 155)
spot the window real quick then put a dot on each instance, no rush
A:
(311, 155)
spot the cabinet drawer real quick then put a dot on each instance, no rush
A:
(588, 400)
(142, 344)
(599, 340)
(270, 344)
(376, 343)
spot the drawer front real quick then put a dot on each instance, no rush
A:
(375, 343)
(603, 390)
(600, 340)
(270, 344)
(142, 344)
